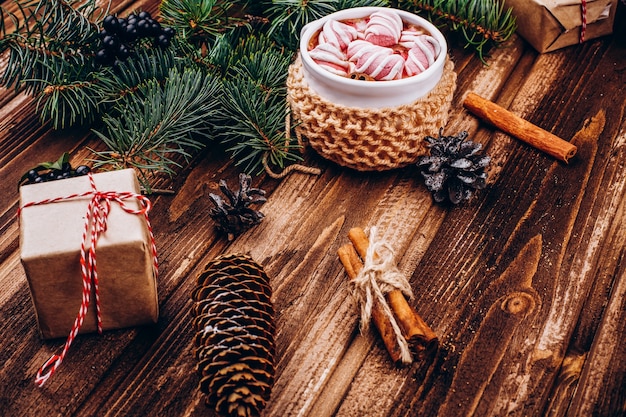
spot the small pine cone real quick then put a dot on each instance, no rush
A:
(234, 216)
(454, 169)
(234, 323)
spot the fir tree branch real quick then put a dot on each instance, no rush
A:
(287, 18)
(178, 118)
(483, 23)
(257, 126)
(199, 20)
(298, 13)
(68, 104)
(78, 95)
(254, 105)
(349, 4)
(50, 38)
(226, 49)
(126, 77)
(68, 21)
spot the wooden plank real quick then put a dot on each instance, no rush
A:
(524, 284)
(568, 392)
(411, 393)
(602, 379)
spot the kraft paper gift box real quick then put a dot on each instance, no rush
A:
(50, 241)
(549, 25)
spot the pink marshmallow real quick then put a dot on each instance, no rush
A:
(360, 25)
(384, 28)
(331, 58)
(376, 61)
(410, 39)
(422, 55)
(357, 48)
(407, 37)
(378, 47)
(338, 34)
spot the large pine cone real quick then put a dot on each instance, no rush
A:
(233, 319)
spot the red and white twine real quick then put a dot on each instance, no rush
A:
(583, 28)
(95, 220)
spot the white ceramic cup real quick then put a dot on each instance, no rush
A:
(370, 94)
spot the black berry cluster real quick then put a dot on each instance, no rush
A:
(38, 175)
(119, 36)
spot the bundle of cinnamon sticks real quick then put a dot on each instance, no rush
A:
(421, 339)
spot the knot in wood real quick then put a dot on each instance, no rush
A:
(518, 303)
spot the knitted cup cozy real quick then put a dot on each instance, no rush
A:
(369, 139)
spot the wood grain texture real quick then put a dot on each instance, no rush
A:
(525, 284)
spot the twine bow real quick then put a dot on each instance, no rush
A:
(378, 277)
(96, 218)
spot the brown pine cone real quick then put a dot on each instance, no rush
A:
(234, 324)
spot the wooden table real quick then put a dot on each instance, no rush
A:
(525, 284)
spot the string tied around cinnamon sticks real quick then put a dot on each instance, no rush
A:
(378, 277)
(382, 292)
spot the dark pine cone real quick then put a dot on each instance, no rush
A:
(234, 343)
(234, 216)
(454, 169)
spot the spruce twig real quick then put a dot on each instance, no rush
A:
(199, 20)
(254, 106)
(257, 123)
(482, 23)
(289, 16)
(147, 137)
(50, 38)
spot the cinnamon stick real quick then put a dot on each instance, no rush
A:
(519, 128)
(421, 338)
(353, 265)
(418, 334)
